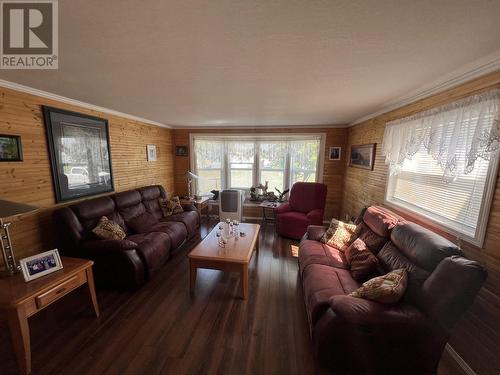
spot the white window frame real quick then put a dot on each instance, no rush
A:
(270, 137)
(487, 199)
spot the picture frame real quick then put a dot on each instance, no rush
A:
(334, 153)
(181, 151)
(363, 156)
(151, 152)
(80, 155)
(10, 148)
(40, 265)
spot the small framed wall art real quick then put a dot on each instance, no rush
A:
(363, 156)
(10, 148)
(181, 151)
(151, 151)
(334, 153)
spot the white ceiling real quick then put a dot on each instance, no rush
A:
(241, 62)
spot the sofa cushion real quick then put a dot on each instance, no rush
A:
(153, 248)
(340, 234)
(388, 288)
(129, 204)
(190, 219)
(314, 252)
(320, 283)
(108, 230)
(373, 241)
(380, 220)
(363, 264)
(89, 213)
(421, 246)
(142, 223)
(391, 258)
(174, 229)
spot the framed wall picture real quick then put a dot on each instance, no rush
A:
(10, 148)
(151, 152)
(181, 151)
(363, 156)
(40, 265)
(79, 154)
(334, 153)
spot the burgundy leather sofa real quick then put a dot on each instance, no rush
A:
(305, 207)
(129, 262)
(356, 336)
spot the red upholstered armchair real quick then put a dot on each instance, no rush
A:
(305, 207)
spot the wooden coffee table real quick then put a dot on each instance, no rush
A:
(234, 257)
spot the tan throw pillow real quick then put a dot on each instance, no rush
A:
(388, 288)
(108, 230)
(363, 264)
(170, 206)
(340, 234)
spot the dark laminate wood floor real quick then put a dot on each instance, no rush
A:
(162, 329)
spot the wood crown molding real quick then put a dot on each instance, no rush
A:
(78, 103)
(484, 66)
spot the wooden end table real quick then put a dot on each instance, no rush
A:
(234, 257)
(266, 205)
(200, 204)
(22, 299)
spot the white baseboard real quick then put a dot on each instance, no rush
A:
(460, 361)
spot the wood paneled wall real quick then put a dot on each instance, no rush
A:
(30, 181)
(477, 336)
(333, 171)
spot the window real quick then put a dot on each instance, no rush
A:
(241, 157)
(226, 162)
(443, 164)
(272, 163)
(304, 159)
(209, 160)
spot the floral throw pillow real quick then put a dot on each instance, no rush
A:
(170, 206)
(388, 288)
(340, 234)
(108, 230)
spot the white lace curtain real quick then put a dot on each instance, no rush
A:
(455, 135)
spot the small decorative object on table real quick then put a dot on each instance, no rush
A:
(281, 197)
(40, 264)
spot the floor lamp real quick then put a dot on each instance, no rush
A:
(10, 209)
(190, 176)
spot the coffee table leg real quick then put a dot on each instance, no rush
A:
(192, 276)
(244, 281)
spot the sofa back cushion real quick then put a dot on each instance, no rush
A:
(307, 196)
(422, 246)
(129, 204)
(380, 220)
(89, 213)
(150, 196)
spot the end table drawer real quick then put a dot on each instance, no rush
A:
(57, 292)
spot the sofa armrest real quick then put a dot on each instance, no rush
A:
(285, 207)
(315, 232)
(316, 216)
(188, 207)
(362, 312)
(94, 246)
(357, 336)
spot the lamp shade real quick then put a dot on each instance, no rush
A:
(191, 175)
(11, 209)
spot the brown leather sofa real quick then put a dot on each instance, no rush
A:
(357, 336)
(150, 240)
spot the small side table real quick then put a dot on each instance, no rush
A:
(266, 205)
(200, 204)
(22, 299)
